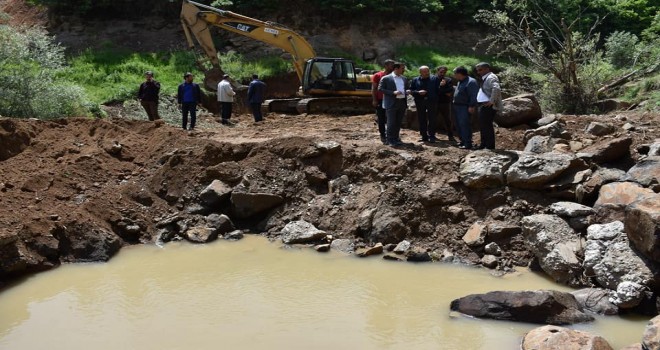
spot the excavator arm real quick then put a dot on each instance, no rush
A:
(197, 18)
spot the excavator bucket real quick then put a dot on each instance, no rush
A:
(212, 77)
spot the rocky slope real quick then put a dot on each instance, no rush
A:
(78, 189)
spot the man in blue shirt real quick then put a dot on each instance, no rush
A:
(465, 103)
(256, 96)
(189, 96)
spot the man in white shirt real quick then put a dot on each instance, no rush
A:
(393, 87)
(225, 98)
(489, 99)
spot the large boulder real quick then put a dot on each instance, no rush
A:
(246, 205)
(215, 193)
(220, 223)
(616, 196)
(85, 242)
(554, 129)
(387, 226)
(484, 169)
(540, 306)
(609, 258)
(646, 172)
(553, 337)
(596, 301)
(642, 225)
(518, 110)
(301, 231)
(651, 337)
(608, 150)
(533, 171)
(540, 144)
(599, 129)
(555, 245)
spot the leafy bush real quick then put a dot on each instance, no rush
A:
(29, 82)
(621, 49)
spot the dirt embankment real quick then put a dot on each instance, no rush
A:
(79, 189)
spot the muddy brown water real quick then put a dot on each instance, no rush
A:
(253, 294)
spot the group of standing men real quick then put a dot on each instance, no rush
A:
(189, 96)
(436, 97)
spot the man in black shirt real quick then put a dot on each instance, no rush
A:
(148, 95)
(424, 89)
(445, 95)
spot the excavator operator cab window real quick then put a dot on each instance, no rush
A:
(332, 75)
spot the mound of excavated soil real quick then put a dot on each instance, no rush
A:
(79, 189)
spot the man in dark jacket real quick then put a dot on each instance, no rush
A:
(148, 95)
(445, 95)
(256, 96)
(189, 96)
(393, 86)
(465, 103)
(424, 89)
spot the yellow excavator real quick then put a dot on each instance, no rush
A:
(328, 85)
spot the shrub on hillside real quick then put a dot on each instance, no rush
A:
(29, 86)
(621, 49)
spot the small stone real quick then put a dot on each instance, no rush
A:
(322, 248)
(402, 247)
(493, 249)
(392, 257)
(343, 245)
(234, 235)
(375, 250)
(489, 261)
(475, 235)
(570, 209)
(628, 127)
(300, 231)
(599, 129)
(418, 256)
(455, 213)
(54, 217)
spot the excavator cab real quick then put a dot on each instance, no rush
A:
(327, 76)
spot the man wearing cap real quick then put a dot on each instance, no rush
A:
(148, 95)
(256, 94)
(225, 98)
(189, 95)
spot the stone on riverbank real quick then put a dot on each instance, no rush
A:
(246, 205)
(553, 337)
(642, 226)
(484, 169)
(540, 306)
(534, 171)
(375, 250)
(297, 232)
(651, 337)
(595, 300)
(343, 245)
(215, 193)
(201, 234)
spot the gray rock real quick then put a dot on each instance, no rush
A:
(296, 232)
(553, 337)
(343, 245)
(502, 231)
(322, 248)
(387, 226)
(579, 223)
(570, 209)
(540, 144)
(599, 129)
(455, 213)
(608, 150)
(200, 234)
(609, 258)
(493, 249)
(533, 171)
(546, 120)
(654, 149)
(215, 193)
(489, 261)
(418, 255)
(484, 169)
(246, 205)
(519, 110)
(475, 235)
(555, 245)
(642, 225)
(627, 295)
(596, 300)
(234, 235)
(220, 223)
(651, 337)
(646, 172)
(553, 129)
(392, 257)
(628, 127)
(540, 306)
(601, 177)
(402, 247)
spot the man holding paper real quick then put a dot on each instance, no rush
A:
(490, 102)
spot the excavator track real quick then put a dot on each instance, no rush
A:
(335, 105)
